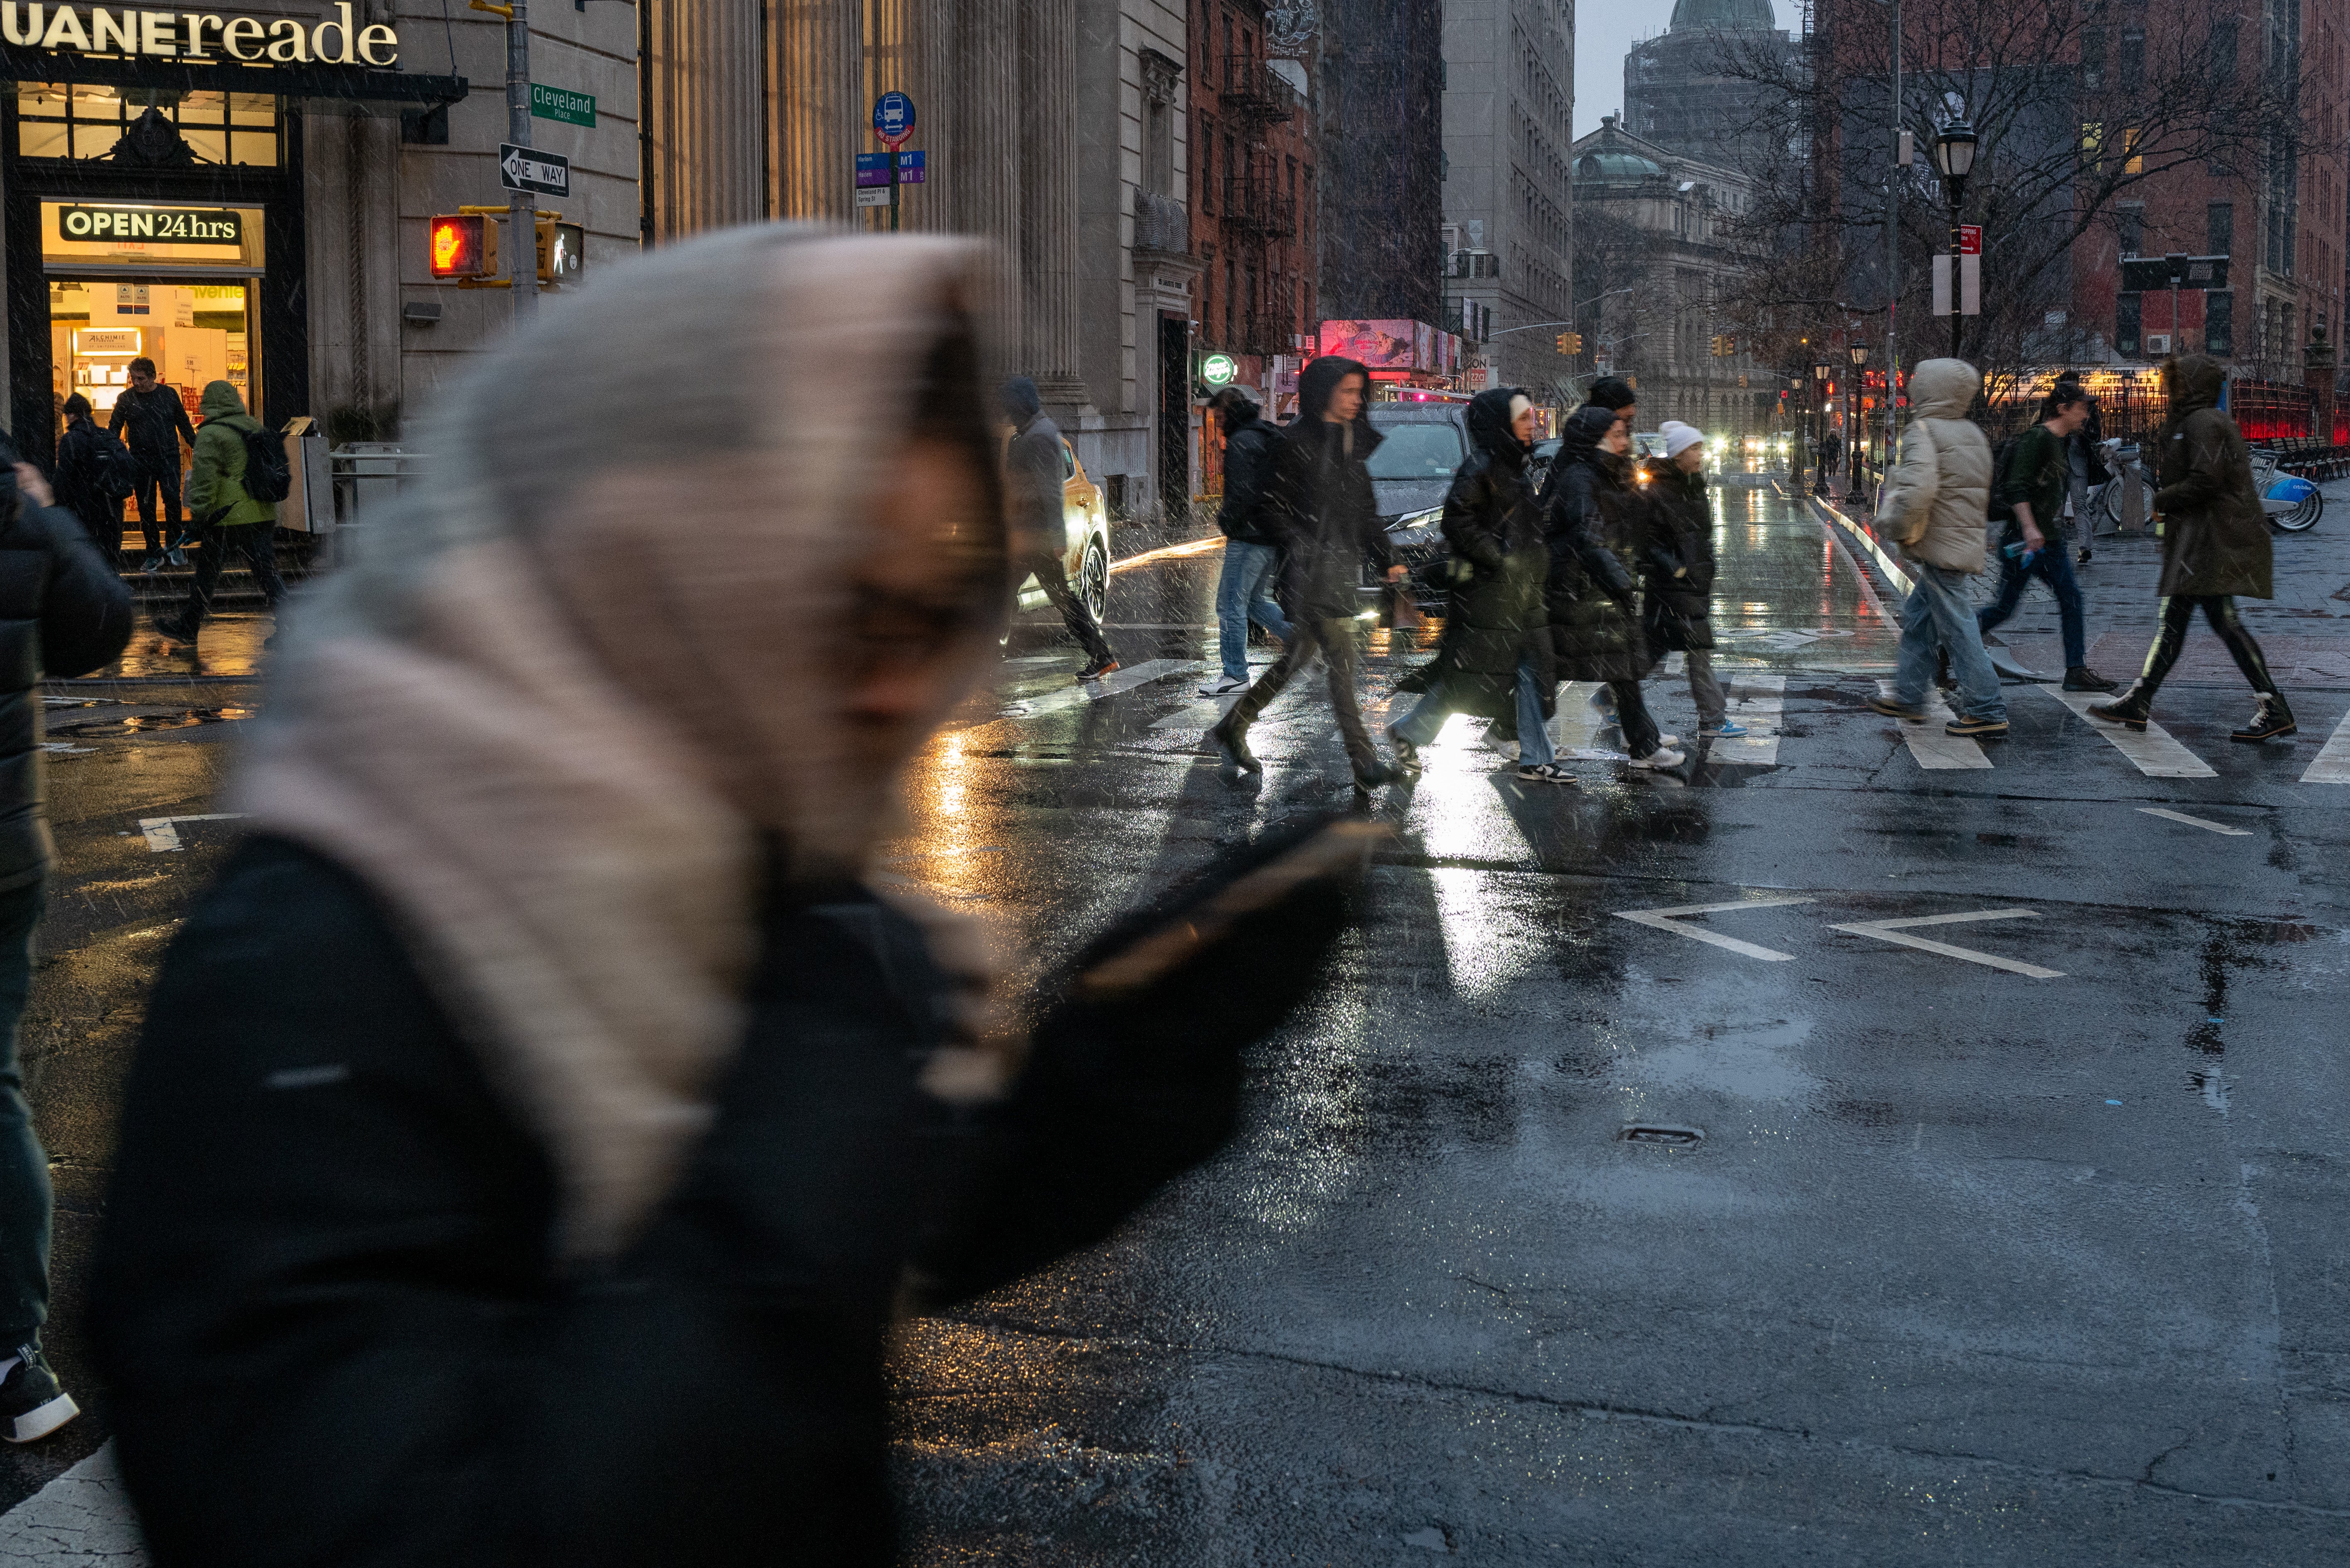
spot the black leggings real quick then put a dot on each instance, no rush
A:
(2178, 611)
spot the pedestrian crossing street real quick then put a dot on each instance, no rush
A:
(1758, 700)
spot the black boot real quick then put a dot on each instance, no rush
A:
(2131, 711)
(1233, 740)
(2081, 678)
(2269, 721)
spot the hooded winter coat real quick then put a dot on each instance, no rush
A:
(1592, 531)
(1250, 442)
(1938, 494)
(216, 492)
(1321, 511)
(1035, 475)
(1676, 557)
(84, 454)
(1493, 527)
(2215, 536)
(540, 1121)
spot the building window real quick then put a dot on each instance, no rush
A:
(2132, 64)
(56, 120)
(2220, 229)
(2093, 60)
(2223, 49)
(2219, 323)
(2131, 220)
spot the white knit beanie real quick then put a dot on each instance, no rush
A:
(1678, 437)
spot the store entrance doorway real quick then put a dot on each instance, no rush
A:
(195, 330)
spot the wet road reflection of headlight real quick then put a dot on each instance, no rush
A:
(1416, 530)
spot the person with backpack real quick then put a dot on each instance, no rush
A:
(96, 472)
(1245, 588)
(238, 477)
(2028, 487)
(154, 421)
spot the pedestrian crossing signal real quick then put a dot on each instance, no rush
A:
(562, 250)
(463, 246)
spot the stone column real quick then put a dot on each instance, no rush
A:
(974, 54)
(350, 189)
(1048, 165)
(706, 115)
(820, 125)
(2317, 375)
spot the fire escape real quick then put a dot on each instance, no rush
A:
(1256, 212)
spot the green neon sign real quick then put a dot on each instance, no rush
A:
(1218, 369)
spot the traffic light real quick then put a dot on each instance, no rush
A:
(1725, 346)
(463, 246)
(562, 250)
(1570, 342)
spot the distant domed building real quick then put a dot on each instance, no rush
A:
(1684, 91)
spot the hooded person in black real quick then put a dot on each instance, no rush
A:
(1496, 659)
(1252, 555)
(86, 454)
(1034, 475)
(1592, 529)
(1322, 512)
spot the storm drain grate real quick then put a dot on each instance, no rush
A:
(1667, 1137)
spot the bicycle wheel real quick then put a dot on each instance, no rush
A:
(2303, 517)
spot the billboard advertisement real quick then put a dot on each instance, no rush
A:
(1379, 345)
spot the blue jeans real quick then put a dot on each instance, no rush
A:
(24, 1168)
(1937, 616)
(1244, 593)
(2053, 565)
(1428, 715)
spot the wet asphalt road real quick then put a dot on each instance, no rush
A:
(1967, 1265)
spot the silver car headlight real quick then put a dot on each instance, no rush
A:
(1416, 530)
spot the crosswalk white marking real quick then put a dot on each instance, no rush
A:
(1755, 702)
(2197, 821)
(1930, 746)
(1078, 694)
(2153, 750)
(1898, 931)
(1670, 920)
(163, 832)
(2332, 764)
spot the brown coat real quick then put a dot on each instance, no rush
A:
(2215, 537)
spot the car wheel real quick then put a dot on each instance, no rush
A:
(1093, 581)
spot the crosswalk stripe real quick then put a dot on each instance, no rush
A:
(2154, 752)
(1756, 702)
(1929, 747)
(1078, 694)
(2332, 763)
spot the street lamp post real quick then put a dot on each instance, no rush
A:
(1858, 354)
(1821, 371)
(1954, 158)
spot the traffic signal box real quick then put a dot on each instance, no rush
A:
(464, 247)
(1570, 342)
(562, 250)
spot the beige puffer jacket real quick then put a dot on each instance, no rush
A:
(1937, 497)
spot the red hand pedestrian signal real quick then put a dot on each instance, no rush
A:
(463, 246)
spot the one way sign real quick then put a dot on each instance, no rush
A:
(523, 169)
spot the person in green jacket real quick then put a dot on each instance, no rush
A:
(2033, 484)
(221, 514)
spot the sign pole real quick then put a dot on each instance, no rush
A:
(892, 156)
(522, 207)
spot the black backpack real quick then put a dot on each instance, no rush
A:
(267, 475)
(118, 470)
(2002, 510)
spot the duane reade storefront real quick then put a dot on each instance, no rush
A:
(244, 196)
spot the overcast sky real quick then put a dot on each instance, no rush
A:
(1605, 30)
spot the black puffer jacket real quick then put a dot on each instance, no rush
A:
(1676, 557)
(83, 455)
(1250, 442)
(2215, 534)
(62, 614)
(329, 1302)
(1321, 511)
(1494, 528)
(1592, 531)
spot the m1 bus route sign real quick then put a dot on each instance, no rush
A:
(893, 119)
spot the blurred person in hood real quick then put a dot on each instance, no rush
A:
(1675, 553)
(1496, 656)
(1034, 475)
(222, 514)
(541, 1120)
(1327, 522)
(1934, 504)
(2215, 548)
(63, 613)
(1251, 558)
(1592, 528)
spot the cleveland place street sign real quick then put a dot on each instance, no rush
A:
(522, 168)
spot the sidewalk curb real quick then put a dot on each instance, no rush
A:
(1864, 536)
(80, 1520)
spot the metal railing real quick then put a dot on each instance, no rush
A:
(1254, 206)
(1254, 90)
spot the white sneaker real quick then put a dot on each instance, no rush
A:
(1662, 757)
(1225, 686)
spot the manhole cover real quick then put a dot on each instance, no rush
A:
(1657, 1133)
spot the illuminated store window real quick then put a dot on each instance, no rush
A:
(56, 119)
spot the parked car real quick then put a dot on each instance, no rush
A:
(1423, 446)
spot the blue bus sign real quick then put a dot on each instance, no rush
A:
(893, 117)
